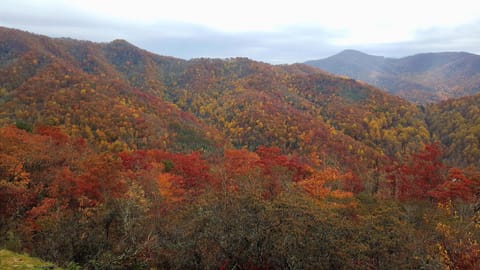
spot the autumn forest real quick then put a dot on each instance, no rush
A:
(112, 157)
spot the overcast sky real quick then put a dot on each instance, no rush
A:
(271, 31)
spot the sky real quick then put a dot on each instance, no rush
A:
(276, 32)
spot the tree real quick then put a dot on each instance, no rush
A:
(456, 186)
(417, 174)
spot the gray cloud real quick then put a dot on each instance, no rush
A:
(57, 20)
(462, 38)
(289, 45)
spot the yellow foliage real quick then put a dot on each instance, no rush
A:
(167, 188)
(340, 194)
(314, 185)
(317, 186)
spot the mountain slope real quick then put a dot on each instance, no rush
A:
(299, 109)
(119, 96)
(419, 78)
(456, 124)
(72, 85)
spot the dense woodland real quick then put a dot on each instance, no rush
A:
(112, 157)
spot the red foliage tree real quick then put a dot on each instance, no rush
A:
(278, 170)
(457, 186)
(424, 176)
(417, 174)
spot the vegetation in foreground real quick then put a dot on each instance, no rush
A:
(13, 261)
(68, 204)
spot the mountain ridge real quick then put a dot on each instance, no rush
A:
(421, 78)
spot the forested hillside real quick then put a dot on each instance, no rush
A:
(456, 124)
(114, 157)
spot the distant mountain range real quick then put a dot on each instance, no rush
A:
(420, 78)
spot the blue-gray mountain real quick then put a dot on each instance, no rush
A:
(421, 78)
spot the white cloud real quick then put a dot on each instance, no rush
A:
(268, 15)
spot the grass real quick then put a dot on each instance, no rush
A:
(10, 260)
